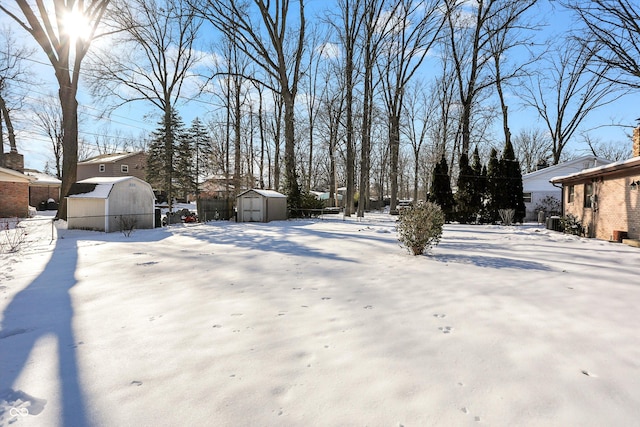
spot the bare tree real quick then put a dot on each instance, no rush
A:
(49, 121)
(156, 53)
(267, 41)
(12, 73)
(415, 29)
(566, 91)
(532, 147)
(615, 26)
(66, 55)
(610, 150)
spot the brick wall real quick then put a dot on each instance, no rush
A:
(617, 207)
(14, 199)
(636, 142)
(39, 194)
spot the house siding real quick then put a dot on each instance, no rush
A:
(616, 207)
(137, 164)
(14, 199)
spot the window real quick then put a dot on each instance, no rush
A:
(526, 197)
(588, 195)
(101, 168)
(124, 168)
(571, 195)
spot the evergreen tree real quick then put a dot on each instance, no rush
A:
(202, 151)
(464, 197)
(161, 167)
(441, 193)
(493, 187)
(479, 181)
(513, 193)
(184, 176)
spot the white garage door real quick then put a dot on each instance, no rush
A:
(252, 208)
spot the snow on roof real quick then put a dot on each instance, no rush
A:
(600, 170)
(15, 174)
(107, 158)
(577, 163)
(100, 191)
(42, 178)
(265, 193)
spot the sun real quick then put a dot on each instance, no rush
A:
(76, 25)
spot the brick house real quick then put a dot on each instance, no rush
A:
(606, 199)
(14, 193)
(114, 165)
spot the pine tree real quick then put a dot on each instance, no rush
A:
(513, 193)
(161, 167)
(202, 151)
(465, 209)
(441, 193)
(493, 187)
(479, 183)
(184, 163)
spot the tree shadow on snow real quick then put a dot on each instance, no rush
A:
(490, 262)
(42, 310)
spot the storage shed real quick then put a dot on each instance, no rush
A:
(261, 206)
(110, 204)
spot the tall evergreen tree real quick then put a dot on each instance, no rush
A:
(441, 193)
(493, 187)
(513, 193)
(185, 178)
(479, 183)
(464, 197)
(161, 159)
(203, 151)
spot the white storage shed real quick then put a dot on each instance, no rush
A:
(261, 206)
(108, 203)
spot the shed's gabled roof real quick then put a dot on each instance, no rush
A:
(623, 165)
(108, 158)
(98, 187)
(264, 193)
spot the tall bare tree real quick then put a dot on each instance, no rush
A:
(274, 46)
(155, 55)
(49, 29)
(615, 26)
(567, 90)
(415, 28)
(532, 147)
(12, 73)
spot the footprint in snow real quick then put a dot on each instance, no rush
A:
(440, 316)
(446, 329)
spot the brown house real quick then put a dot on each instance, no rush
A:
(606, 199)
(113, 165)
(14, 193)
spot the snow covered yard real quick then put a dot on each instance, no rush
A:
(319, 322)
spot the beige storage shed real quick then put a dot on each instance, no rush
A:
(108, 203)
(261, 206)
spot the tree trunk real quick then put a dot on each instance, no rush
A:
(69, 105)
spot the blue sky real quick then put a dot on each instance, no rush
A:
(139, 118)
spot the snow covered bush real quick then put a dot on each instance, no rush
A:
(420, 227)
(507, 216)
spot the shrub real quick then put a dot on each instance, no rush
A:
(571, 225)
(127, 223)
(549, 205)
(420, 227)
(507, 215)
(310, 206)
(12, 235)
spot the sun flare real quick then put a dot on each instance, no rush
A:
(76, 25)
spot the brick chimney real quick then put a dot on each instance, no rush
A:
(13, 161)
(636, 142)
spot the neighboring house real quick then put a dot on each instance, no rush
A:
(216, 187)
(606, 199)
(261, 206)
(117, 164)
(44, 190)
(536, 186)
(108, 203)
(14, 193)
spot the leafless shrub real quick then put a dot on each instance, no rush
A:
(12, 235)
(507, 215)
(127, 224)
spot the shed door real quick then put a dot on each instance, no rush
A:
(252, 208)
